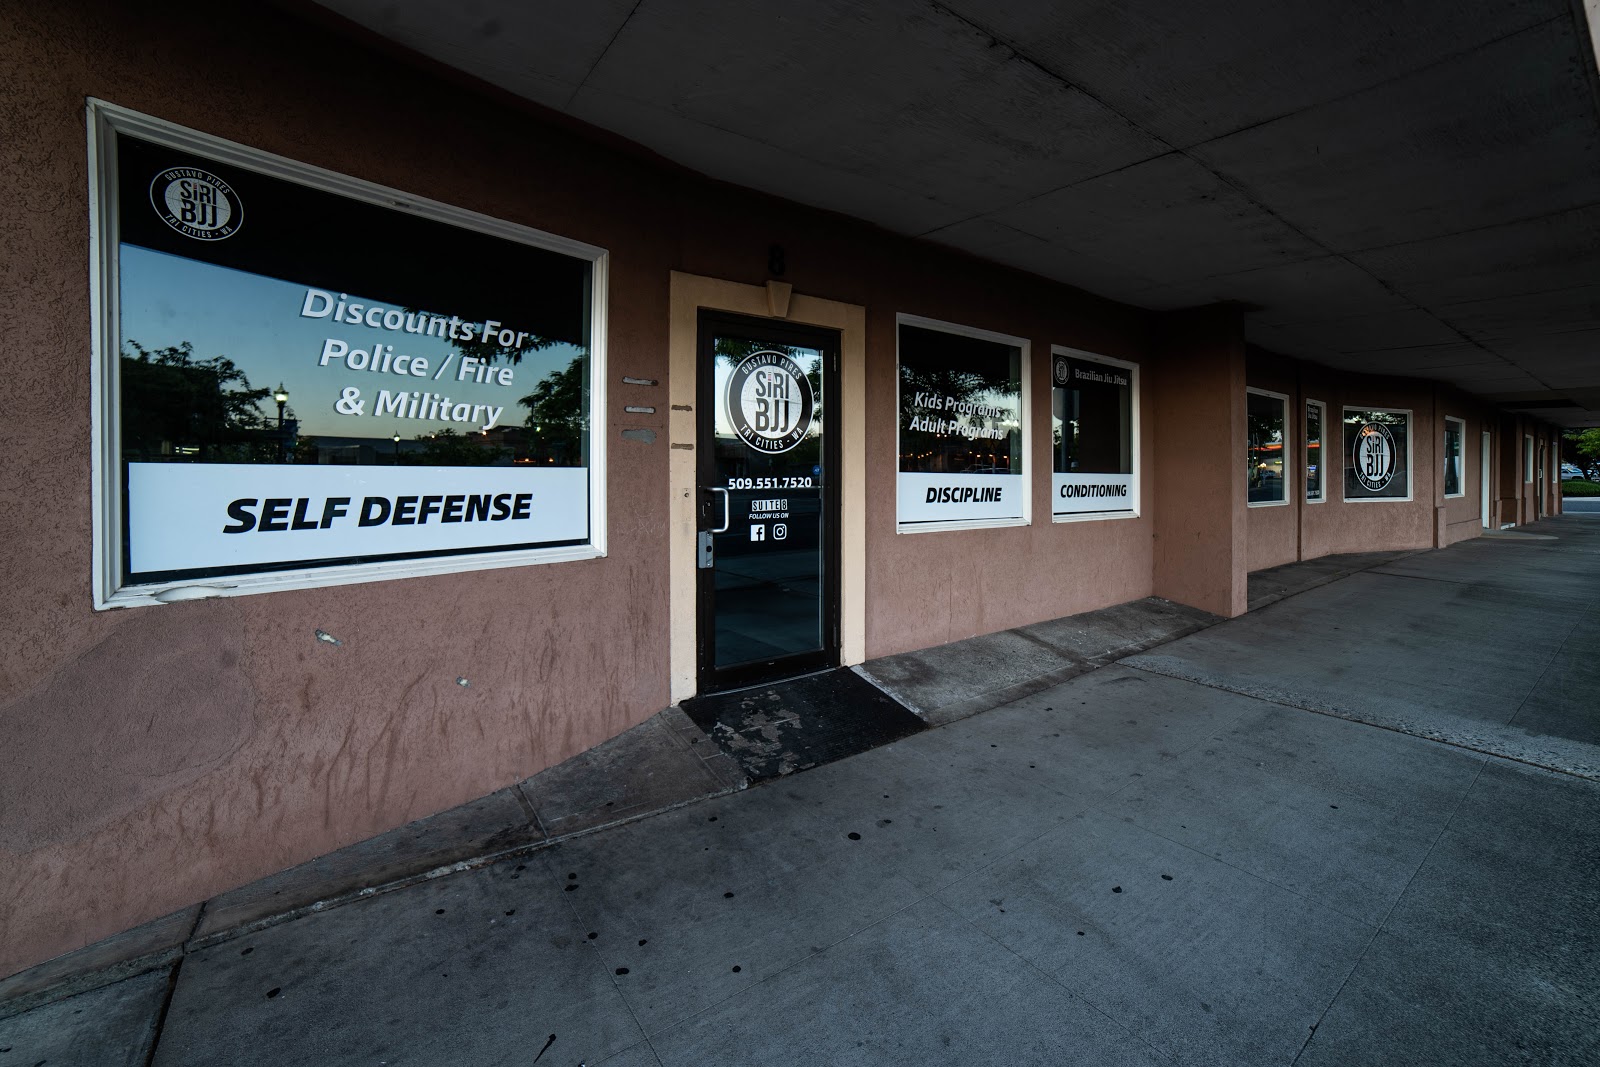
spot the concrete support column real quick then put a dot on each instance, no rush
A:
(1198, 493)
(1509, 504)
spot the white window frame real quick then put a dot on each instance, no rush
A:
(1527, 459)
(1461, 455)
(1288, 437)
(104, 121)
(1485, 483)
(1025, 414)
(1322, 451)
(1136, 487)
(1411, 447)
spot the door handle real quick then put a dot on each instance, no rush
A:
(727, 510)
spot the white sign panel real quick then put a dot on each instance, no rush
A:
(1084, 494)
(959, 497)
(183, 516)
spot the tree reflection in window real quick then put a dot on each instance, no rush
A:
(964, 370)
(176, 408)
(1264, 460)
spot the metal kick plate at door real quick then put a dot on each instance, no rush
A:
(704, 555)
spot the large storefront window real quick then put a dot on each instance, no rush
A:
(1377, 454)
(306, 379)
(1267, 416)
(1316, 470)
(1092, 422)
(961, 427)
(1455, 482)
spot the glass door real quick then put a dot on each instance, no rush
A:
(768, 508)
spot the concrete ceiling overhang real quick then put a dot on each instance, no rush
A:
(1395, 186)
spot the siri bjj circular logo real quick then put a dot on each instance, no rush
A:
(196, 203)
(769, 401)
(1373, 456)
(1061, 371)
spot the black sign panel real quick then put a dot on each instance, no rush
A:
(1377, 457)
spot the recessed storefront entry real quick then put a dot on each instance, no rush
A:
(767, 551)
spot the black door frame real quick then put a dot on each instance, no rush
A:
(708, 511)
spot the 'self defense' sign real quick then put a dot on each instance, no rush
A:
(308, 377)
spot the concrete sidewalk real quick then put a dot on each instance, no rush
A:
(1324, 833)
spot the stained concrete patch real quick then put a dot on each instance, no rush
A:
(1517, 535)
(112, 1026)
(1206, 962)
(916, 810)
(963, 678)
(493, 824)
(719, 763)
(1346, 853)
(922, 987)
(1461, 644)
(112, 959)
(1418, 1002)
(664, 762)
(752, 881)
(1275, 583)
(935, 678)
(1562, 702)
(481, 967)
(1102, 636)
(1515, 877)
(1087, 737)
(1408, 778)
(651, 767)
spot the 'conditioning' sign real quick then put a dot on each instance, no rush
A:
(1086, 494)
(1092, 405)
(239, 514)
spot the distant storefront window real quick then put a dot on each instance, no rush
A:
(1316, 452)
(1377, 454)
(1455, 431)
(1266, 417)
(961, 427)
(306, 375)
(1527, 459)
(1092, 416)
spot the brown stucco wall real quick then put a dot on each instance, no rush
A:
(1519, 492)
(1370, 526)
(929, 588)
(1198, 406)
(152, 757)
(1306, 530)
(1462, 517)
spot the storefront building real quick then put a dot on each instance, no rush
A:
(375, 442)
